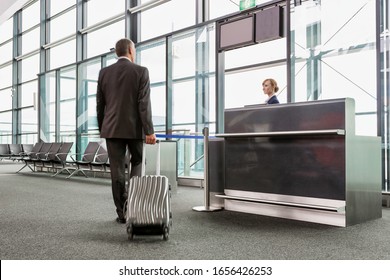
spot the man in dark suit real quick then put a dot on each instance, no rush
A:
(124, 117)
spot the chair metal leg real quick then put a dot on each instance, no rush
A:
(26, 164)
(76, 171)
(62, 169)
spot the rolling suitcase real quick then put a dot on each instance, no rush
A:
(148, 207)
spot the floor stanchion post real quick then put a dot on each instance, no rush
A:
(206, 189)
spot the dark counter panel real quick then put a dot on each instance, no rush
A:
(287, 117)
(308, 167)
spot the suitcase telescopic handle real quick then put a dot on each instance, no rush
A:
(157, 158)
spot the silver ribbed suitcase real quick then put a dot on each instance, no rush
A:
(148, 203)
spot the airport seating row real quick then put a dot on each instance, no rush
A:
(14, 151)
(57, 157)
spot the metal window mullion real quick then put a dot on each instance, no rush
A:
(132, 26)
(290, 49)
(15, 77)
(27, 55)
(168, 85)
(102, 24)
(63, 12)
(59, 42)
(147, 5)
(57, 131)
(81, 15)
(44, 30)
(219, 85)
(202, 97)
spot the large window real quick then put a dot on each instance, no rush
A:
(48, 108)
(152, 56)
(28, 92)
(6, 30)
(31, 15)
(168, 17)
(332, 57)
(111, 34)
(6, 99)
(335, 57)
(6, 127)
(63, 26)
(6, 76)
(59, 6)
(30, 68)
(67, 105)
(245, 87)
(5, 52)
(87, 126)
(99, 10)
(57, 57)
(32, 41)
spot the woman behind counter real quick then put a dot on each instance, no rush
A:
(270, 87)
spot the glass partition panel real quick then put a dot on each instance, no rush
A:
(86, 109)
(183, 103)
(30, 68)
(48, 107)
(335, 57)
(6, 127)
(193, 93)
(157, 96)
(153, 57)
(30, 41)
(29, 121)
(6, 99)
(256, 54)
(59, 6)
(29, 138)
(167, 17)
(6, 76)
(111, 59)
(6, 52)
(183, 52)
(245, 87)
(99, 10)
(6, 30)
(67, 106)
(219, 8)
(63, 26)
(31, 15)
(111, 34)
(57, 57)
(28, 93)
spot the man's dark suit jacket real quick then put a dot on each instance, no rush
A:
(123, 101)
(273, 100)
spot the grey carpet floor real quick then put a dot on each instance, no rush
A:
(48, 218)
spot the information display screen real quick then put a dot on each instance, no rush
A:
(236, 33)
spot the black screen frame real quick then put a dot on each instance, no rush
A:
(251, 41)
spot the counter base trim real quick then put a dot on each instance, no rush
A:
(287, 212)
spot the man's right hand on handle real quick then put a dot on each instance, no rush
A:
(150, 139)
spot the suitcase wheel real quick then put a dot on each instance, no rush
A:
(165, 233)
(130, 234)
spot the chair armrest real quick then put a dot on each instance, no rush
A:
(58, 158)
(99, 155)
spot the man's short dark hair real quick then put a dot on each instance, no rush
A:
(122, 47)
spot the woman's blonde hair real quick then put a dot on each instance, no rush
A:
(273, 83)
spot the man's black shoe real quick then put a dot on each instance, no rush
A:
(121, 220)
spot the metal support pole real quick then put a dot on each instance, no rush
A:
(206, 207)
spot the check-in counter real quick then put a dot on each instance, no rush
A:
(301, 161)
